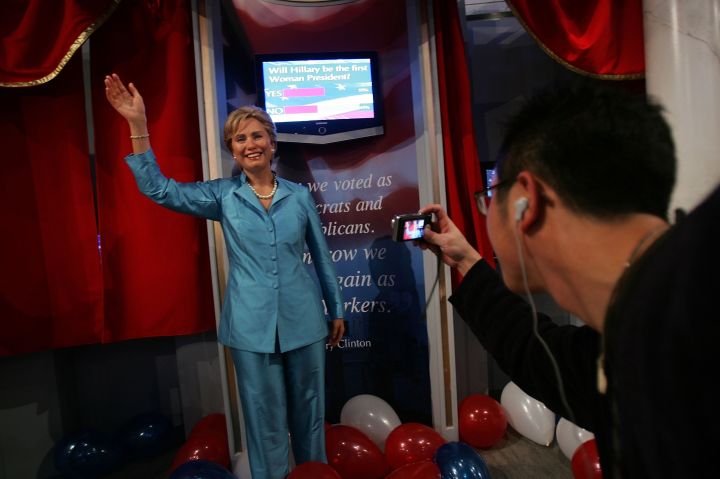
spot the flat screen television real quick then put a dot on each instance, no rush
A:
(321, 97)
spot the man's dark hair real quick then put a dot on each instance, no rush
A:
(605, 151)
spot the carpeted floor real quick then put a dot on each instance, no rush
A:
(516, 457)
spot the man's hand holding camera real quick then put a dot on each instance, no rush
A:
(447, 242)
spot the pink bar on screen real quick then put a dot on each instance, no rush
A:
(289, 110)
(295, 92)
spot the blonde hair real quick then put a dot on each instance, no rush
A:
(246, 113)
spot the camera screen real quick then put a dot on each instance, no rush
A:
(413, 229)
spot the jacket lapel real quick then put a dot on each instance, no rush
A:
(246, 195)
(281, 192)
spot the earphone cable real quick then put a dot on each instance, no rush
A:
(551, 357)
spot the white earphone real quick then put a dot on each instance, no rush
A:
(521, 204)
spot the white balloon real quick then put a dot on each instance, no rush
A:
(570, 436)
(371, 415)
(527, 415)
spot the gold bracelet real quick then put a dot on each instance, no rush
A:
(139, 137)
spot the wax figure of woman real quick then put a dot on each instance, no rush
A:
(272, 318)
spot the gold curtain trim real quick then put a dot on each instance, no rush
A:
(601, 76)
(71, 51)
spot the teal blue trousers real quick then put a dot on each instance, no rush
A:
(282, 393)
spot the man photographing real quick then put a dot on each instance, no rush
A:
(579, 211)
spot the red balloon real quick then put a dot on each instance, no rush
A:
(351, 453)
(411, 442)
(586, 461)
(482, 421)
(313, 470)
(418, 470)
(208, 441)
(208, 448)
(212, 424)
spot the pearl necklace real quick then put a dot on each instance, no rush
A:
(269, 195)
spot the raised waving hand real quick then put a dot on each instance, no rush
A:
(130, 105)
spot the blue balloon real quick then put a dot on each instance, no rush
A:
(457, 460)
(146, 435)
(86, 455)
(201, 469)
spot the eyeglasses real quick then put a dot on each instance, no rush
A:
(482, 197)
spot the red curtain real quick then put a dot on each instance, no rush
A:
(145, 272)
(155, 261)
(38, 37)
(602, 38)
(462, 164)
(51, 281)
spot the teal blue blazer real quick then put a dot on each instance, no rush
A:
(269, 290)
